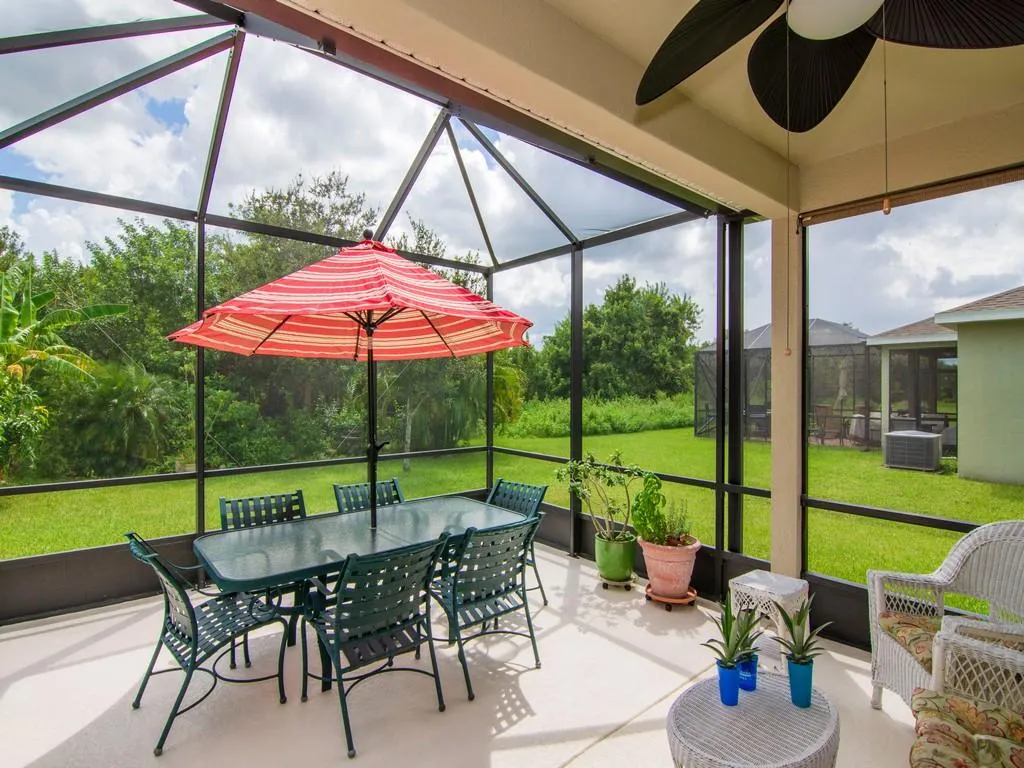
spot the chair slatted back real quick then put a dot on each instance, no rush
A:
(378, 594)
(518, 497)
(179, 615)
(250, 511)
(490, 561)
(355, 497)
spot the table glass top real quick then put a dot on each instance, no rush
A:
(279, 554)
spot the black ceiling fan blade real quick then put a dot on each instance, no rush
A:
(820, 73)
(951, 23)
(707, 31)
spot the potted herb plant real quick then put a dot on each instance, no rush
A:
(606, 492)
(801, 647)
(664, 537)
(735, 635)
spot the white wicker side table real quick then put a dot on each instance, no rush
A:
(765, 730)
(759, 591)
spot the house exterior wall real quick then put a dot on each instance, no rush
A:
(990, 418)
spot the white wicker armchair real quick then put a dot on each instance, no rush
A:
(981, 660)
(905, 613)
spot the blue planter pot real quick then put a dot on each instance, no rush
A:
(748, 674)
(729, 684)
(800, 682)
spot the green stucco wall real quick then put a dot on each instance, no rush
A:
(990, 407)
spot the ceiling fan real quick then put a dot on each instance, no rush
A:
(825, 41)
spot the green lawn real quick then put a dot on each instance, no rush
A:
(840, 545)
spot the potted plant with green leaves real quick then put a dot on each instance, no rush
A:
(736, 633)
(606, 489)
(747, 664)
(663, 532)
(801, 646)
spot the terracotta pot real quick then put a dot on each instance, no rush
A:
(669, 568)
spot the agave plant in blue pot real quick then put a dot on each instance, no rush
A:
(749, 633)
(730, 648)
(801, 647)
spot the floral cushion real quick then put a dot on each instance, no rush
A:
(915, 633)
(998, 753)
(954, 732)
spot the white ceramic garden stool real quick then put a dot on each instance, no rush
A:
(759, 591)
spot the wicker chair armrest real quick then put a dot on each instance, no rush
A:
(911, 593)
(980, 660)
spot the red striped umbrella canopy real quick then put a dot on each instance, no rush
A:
(325, 309)
(364, 303)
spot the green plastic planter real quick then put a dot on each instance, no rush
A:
(615, 558)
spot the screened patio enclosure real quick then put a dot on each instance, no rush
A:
(238, 146)
(507, 212)
(842, 379)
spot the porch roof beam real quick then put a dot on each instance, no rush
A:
(115, 88)
(40, 40)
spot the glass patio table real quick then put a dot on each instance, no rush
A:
(279, 555)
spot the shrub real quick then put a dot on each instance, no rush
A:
(550, 418)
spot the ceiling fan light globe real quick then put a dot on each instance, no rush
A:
(828, 19)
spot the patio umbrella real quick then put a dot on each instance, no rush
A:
(364, 303)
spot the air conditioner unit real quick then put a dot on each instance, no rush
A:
(910, 449)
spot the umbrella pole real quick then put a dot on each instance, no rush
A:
(371, 453)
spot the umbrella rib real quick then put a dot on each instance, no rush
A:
(439, 335)
(267, 337)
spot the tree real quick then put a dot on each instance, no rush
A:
(443, 397)
(149, 269)
(29, 337)
(638, 341)
(22, 418)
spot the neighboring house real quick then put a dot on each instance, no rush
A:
(990, 343)
(980, 347)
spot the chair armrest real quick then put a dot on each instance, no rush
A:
(319, 596)
(917, 594)
(981, 660)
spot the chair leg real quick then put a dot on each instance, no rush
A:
(462, 660)
(280, 664)
(231, 661)
(536, 572)
(433, 665)
(305, 661)
(326, 670)
(876, 697)
(174, 712)
(529, 624)
(245, 649)
(149, 673)
(344, 715)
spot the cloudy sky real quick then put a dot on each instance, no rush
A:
(293, 113)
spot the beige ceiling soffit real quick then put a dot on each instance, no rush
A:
(969, 148)
(915, 195)
(537, 61)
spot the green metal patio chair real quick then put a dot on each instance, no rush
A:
(376, 609)
(486, 581)
(265, 509)
(249, 511)
(355, 497)
(525, 499)
(193, 633)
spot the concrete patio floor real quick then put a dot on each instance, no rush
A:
(612, 666)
